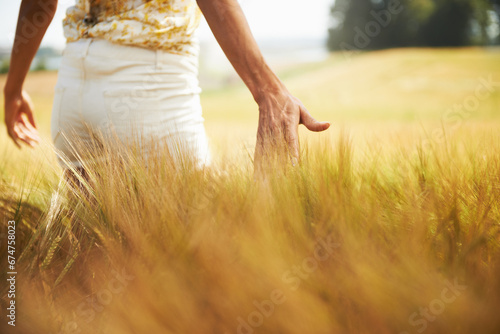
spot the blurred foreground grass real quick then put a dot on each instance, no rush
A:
(390, 225)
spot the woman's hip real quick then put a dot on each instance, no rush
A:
(139, 92)
(100, 80)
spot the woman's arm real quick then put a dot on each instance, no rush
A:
(280, 113)
(34, 19)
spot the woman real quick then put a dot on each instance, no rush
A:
(133, 64)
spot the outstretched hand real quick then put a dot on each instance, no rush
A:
(277, 134)
(20, 121)
(280, 112)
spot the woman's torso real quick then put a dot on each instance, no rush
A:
(156, 24)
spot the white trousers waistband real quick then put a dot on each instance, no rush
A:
(105, 49)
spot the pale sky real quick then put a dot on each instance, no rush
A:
(269, 19)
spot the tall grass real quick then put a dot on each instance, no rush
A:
(378, 230)
(356, 239)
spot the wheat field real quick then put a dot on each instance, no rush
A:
(390, 224)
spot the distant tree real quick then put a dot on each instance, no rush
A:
(377, 24)
(448, 25)
(4, 65)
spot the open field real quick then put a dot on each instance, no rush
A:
(390, 225)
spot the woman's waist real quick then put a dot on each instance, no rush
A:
(101, 54)
(102, 47)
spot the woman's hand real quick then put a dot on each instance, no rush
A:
(34, 19)
(19, 119)
(277, 134)
(279, 112)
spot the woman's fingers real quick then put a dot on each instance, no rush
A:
(14, 137)
(28, 133)
(28, 109)
(19, 132)
(20, 136)
(292, 141)
(259, 155)
(29, 130)
(31, 119)
(277, 145)
(310, 123)
(24, 135)
(12, 129)
(20, 121)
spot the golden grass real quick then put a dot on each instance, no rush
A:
(390, 226)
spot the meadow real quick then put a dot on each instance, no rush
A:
(390, 224)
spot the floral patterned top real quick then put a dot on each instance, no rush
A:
(157, 24)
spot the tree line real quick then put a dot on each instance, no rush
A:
(379, 24)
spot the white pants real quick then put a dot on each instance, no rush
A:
(129, 93)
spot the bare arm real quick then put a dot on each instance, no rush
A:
(280, 113)
(34, 19)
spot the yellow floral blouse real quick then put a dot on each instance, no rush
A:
(157, 24)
